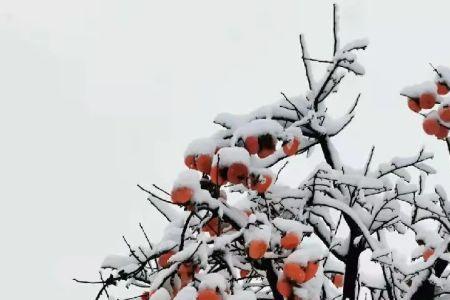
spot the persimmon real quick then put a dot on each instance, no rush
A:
(338, 280)
(146, 295)
(217, 176)
(427, 100)
(291, 147)
(294, 272)
(181, 195)
(427, 254)
(189, 161)
(203, 163)
(311, 270)
(284, 288)
(444, 113)
(290, 241)
(212, 227)
(442, 132)
(257, 249)
(186, 272)
(430, 126)
(442, 88)
(208, 294)
(244, 273)
(237, 173)
(163, 260)
(260, 183)
(267, 145)
(251, 144)
(263, 153)
(414, 105)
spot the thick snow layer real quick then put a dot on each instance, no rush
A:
(161, 294)
(202, 146)
(414, 91)
(257, 128)
(306, 253)
(291, 226)
(258, 228)
(225, 157)
(188, 178)
(186, 293)
(212, 281)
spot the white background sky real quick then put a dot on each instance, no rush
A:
(97, 96)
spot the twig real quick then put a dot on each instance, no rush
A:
(335, 29)
(305, 64)
(281, 169)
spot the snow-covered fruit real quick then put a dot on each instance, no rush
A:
(427, 254)
(290, 241)
(218, 175)
(294, 272)
(200, 162)
(186, 272)
(263, 145)
(244, 273)
(260, 182)
(442, 88)
(267, 145)
(427, 100)
(291, 147)
(237, 173)
(284, 287)
(338, 280)
(432, 126)
(257, 249)
(444, 113)
(146, 295)
(299, 274)
(208, 294)
(212, 226)
(413, 105)
(251, 144)
(181, 195)
(311, 270)
(163, 260)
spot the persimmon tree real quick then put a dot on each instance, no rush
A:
(275, 241)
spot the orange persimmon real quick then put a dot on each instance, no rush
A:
(260, 183)
(294, 272)
(217, 176)
(338, 280)
(311, 270)
(163, 260)
(284, 288)
(430, 126)
(291, 147)
(290, 240)
(427, 254)
(427, 100)
(181, 195)
(251, 144)
(442, 133)
(442, 88)
(237, 173)
(257, 249)
(414, 105)
(208, 294)
(203, 163)
(444, 113)
(189, 161)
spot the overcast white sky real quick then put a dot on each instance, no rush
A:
(97, 96)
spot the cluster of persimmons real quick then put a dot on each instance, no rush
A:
(435, 123)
